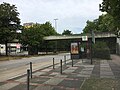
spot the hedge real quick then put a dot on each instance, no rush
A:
(101, 50)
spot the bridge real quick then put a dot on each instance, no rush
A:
(109, 38)
(66, 37)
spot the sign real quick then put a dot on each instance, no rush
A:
(82, 49)
(84, 38)
(17, 45)
(74, 48)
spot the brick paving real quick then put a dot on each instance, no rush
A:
(71, 78)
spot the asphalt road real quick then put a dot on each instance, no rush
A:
(11, 64)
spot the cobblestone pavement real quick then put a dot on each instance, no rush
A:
(72, 77)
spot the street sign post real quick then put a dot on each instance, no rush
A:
(92, 41)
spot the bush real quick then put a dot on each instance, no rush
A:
(101, 50)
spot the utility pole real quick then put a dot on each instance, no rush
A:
(91, 51)
(92, 41)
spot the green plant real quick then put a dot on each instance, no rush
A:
(101, 50)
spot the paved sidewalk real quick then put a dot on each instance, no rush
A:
(72, 78)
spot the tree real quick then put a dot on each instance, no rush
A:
(101, 50)
(9, 23)
(33, 36)
(67, 32)
(112, 7)
(48, 29)
(104, 23)
(91, 25)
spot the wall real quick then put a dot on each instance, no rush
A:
(118, 46)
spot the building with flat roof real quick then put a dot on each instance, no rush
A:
(28, 25)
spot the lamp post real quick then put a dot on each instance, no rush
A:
(56, 31)
(56, 24)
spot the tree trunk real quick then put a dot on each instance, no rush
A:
(32, 50)
(6, 48)
(46, 47)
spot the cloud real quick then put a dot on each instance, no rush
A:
(70, 13)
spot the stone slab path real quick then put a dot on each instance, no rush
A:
(72, 78)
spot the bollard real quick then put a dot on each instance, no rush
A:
(61, 66)
(31, 69)
(65, 60)
(28, 79)
(72, 62)
(53, 63)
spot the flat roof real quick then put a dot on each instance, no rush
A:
(64, 37)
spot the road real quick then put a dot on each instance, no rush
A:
(13, 68)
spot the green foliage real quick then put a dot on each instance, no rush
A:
(47, 29)
(64, 45)
(33, 36)
(104, 23)
(101, 50)
(9, 22)
(67, 32)
(112, 7)
(90, 26)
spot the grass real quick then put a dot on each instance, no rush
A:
(6, 58)
(15, 57)
(101, 84)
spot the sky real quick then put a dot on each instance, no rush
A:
(71, 14)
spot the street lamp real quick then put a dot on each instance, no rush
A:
(56, 31)
(56, 24)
